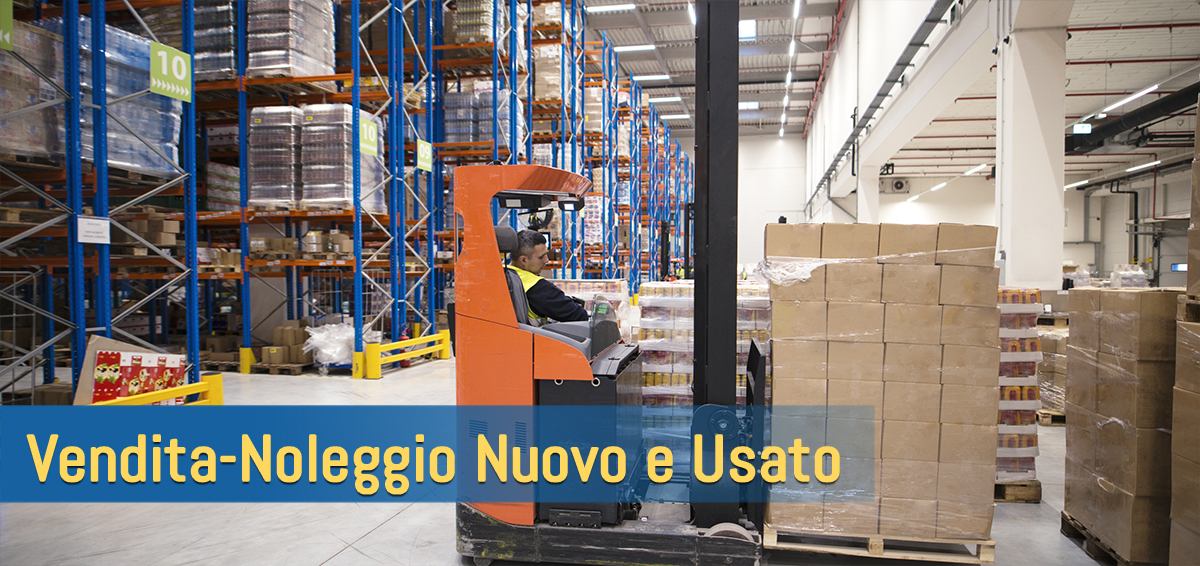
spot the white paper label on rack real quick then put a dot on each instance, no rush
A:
(93, 230)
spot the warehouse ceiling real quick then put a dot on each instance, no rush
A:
(1116, 48)
(764, 60)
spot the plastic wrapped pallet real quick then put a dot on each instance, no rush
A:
(32, 134)
(547, 72)
(289, 38)
(1020, 392)
(1121, 367)
(156, 118)
(216, 40)
(224, 187)
(462, 116)
(274, 145)
(327, 145)
(1185, 447)
(902, 319)
(503, 118)
(1052, 370)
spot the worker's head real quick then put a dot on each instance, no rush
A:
(531, 254)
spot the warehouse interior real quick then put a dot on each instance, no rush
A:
(273, 203)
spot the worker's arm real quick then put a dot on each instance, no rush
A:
(549, 301)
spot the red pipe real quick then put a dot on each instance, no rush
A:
(1135, 27)
(1120, 61)
(837, 25)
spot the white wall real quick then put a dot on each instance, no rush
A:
(968, 200)
(770, 185)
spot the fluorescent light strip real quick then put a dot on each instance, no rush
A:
(692, 12)
(788, 80)
(796, 10)
(792, 48)
(625, 48)
(977, 169)
(1073, 185)
(1142, 166)
(938, 186)
(610, 8)
(662, 99)
(914, 197)
(785, 101)
(1131, 98)
(651, 77)
(676, 117)
(781, 131)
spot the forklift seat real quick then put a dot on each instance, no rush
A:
(506, 239)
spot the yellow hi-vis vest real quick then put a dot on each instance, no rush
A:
(528, 280)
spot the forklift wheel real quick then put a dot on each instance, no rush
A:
(728, 530)
(481, 561)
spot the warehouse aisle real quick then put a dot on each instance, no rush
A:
(306, 534)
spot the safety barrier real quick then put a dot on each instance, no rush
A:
(210, 389)
(375, 357)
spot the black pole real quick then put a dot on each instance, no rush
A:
(715, 379)
(689, 212)
(664, 250)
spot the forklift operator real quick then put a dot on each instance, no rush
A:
(545, 300)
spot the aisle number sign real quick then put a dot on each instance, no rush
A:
(424, 156)
(170, 72)
(368, 138)
(6, 25)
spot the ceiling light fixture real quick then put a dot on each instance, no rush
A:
(938, 186)
(781, 131)
(792, 48)
(977, 169)
(785, 101)
(796, 10)
(783, 118)
(610, 8)
(1131, 98)
(624, 48)
(1073, 185)
(747, 30)
(692, 12)
(788, 80)
(912, 198)
(662, 99)
(677, 117)
(651, 77)
(1142, 166)
(751, 105)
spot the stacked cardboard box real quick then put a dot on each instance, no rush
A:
(1185, 448)
(223, 348)
(156, 229)
(902, 318)
(1120, 373)
(288, 345)
(1020, 354)
(274, 248)
(1052, 370)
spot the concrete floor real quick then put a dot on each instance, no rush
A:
(303, 534)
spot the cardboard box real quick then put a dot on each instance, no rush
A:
(798, 359)
(223, 343)
(849, 437)
(912, 401)
(1077, 493)
(792, 240)
(969, 286)
(1185, 543)
(797, 516)
(856, 361)
(909, 479)
(861, 393)
(907, 243)
(970, 365)
(966, 483)
(275, 355)
(260, 244)
(1082, 431)
(852, 517)
(911, 284)
(1185, 431)
(969, 404)
(802, 320)
(958, 244)
(971, 326)
(913, 324)
(1138, 324)
(1185, 492)
(284, 336)
(849, 240)
(57, 393)
(165, 226)
(1187, 356)
(1136, 392)
(1136, 528)
(964, 521)
(967, 444)
(907, 517)
(1137, 460)
(792, 391)
(811, 290)
(1085, 318)
(855, 322)
(224, 356)
(904, 440)
(911, 363)
(1193, 246)
(858, 282)
(160, 238)
(1083, 375)
(297, 355)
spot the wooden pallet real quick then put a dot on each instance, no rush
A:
(218, 269)
(277, 369)
(28, 161)
(219, 366)
(1046, 417)
(954, 551)
(118, 249)
(1057, 320)
(1188, 309)
(1019, 492)
(1092, 545)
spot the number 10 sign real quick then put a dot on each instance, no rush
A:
(170, 72)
